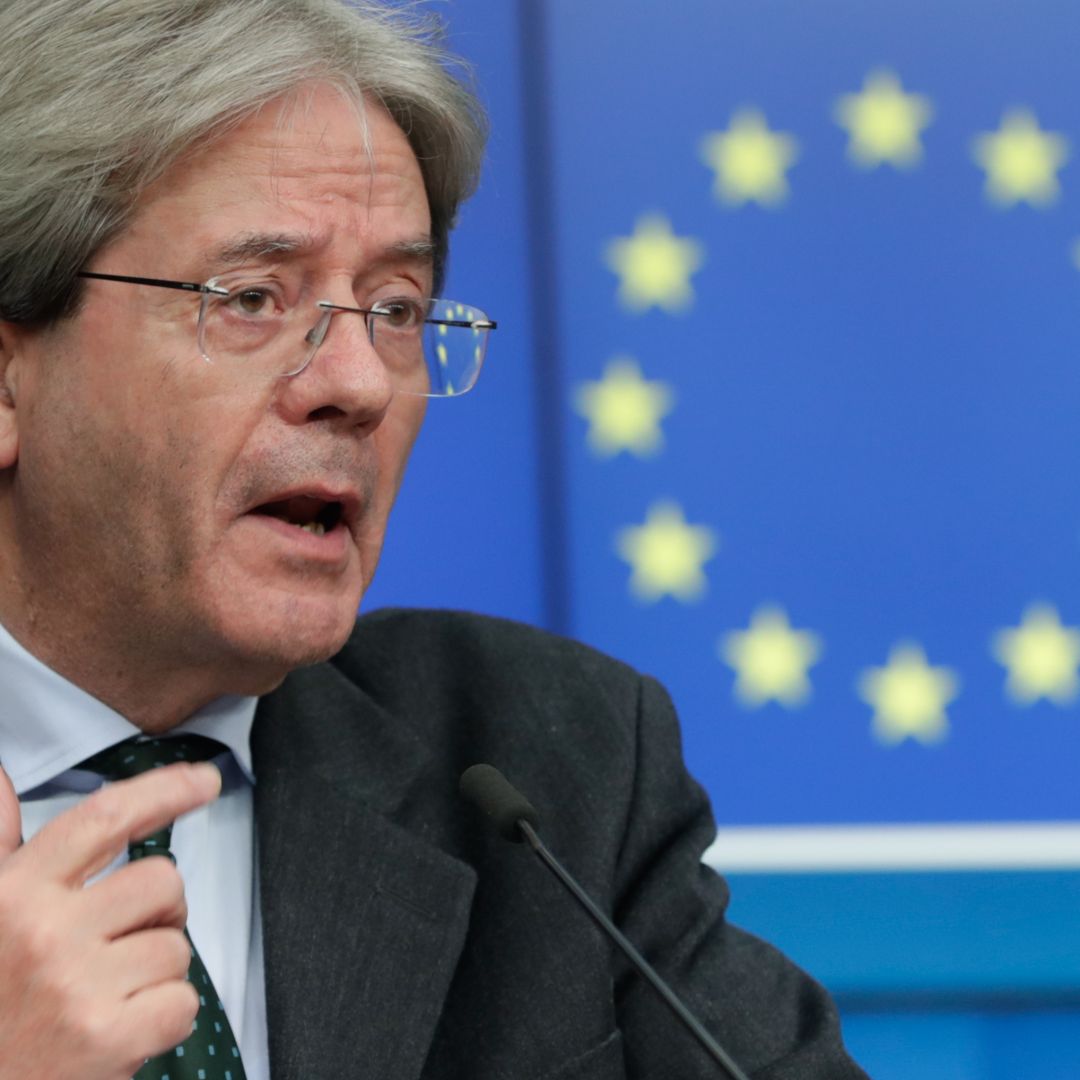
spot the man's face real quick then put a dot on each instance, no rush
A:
(154, 495)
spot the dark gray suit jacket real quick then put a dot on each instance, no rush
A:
(404, 939)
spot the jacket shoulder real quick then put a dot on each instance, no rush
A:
(455, 649)
(482, 682)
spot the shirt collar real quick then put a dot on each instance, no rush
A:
(49, 724)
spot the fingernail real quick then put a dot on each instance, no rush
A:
(209, 774)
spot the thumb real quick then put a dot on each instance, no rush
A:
(10, 817)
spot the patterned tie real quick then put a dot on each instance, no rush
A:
(210, 1052)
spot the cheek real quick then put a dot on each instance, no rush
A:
(396, 436)
(401, 428)
(85, 490)
(394, 439)
(148, 454)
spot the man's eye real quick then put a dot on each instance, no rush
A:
(253, 300)
(400, 314)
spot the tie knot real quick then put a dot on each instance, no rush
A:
(139, 754)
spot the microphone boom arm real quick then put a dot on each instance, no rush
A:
(639, 961)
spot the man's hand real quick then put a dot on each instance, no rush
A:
(92, 979)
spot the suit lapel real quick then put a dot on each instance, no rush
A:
(363, 920)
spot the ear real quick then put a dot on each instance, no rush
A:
(11, 343)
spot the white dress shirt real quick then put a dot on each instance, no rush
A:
(48, 725)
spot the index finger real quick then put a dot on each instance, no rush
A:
(85, 839)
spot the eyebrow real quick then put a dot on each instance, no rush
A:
(259, 246)
(245, 248)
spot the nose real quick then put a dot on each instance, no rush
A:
(344, 378)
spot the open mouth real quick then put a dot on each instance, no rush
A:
(313, 515)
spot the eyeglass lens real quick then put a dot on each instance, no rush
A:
(432, 348)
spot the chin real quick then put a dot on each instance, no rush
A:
(275, 642)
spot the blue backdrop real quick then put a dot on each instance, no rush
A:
(781, 409)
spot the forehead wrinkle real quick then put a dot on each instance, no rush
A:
(257, 246)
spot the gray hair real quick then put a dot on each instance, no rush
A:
(99, 97)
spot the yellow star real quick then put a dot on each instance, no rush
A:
(666, 554)
(909, 696)
(883, 122)
(1041, 656)
(771, 659)
(624, 410)
(750, 160)
(654, 266)
(1021, 160)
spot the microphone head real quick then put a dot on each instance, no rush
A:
(485, 787)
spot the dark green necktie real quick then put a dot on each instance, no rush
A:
(210, 1052)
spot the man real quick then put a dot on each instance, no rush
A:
(221, 222)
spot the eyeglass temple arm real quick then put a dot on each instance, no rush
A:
(478, 324)
(186, 286)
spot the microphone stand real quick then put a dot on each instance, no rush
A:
(681, 1011)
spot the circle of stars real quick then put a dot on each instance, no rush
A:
(908, 696)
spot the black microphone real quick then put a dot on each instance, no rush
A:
(516, 819)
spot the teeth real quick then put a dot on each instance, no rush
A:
(316, 527)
